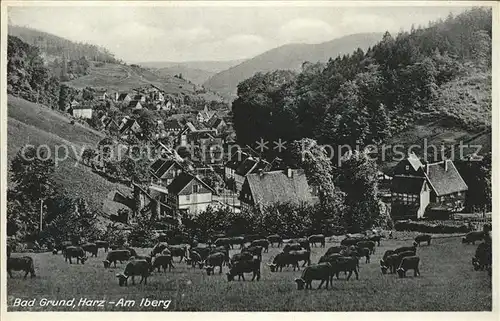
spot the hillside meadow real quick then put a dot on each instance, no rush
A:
(29, 123)
(447, 283)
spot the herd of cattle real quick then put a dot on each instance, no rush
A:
(295, 253)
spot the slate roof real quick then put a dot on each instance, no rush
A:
(407, 184)
(173, 124)
(443, 181)
(246, 166)
(276, 187)
(134, 103)
(122, 97)
(236, 159)
(161, 166)
(181, 181)
(128, 124)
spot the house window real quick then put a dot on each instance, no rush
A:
(188, 197)
(407, 167)
(195, 189)
(459, 194)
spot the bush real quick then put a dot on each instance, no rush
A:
(430, 227)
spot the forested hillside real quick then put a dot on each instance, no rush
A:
(442, 72)
(53, 46)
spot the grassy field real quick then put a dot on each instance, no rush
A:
(447, 283)
(29, 123)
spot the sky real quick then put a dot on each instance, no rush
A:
(215, 33)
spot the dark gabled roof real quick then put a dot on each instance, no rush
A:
(276, 187)
(128, 124)
(215, 122)
(83, 106)
(407, 184)
(181, 181)
(159, 167)
(173, 124)
(133, 103)
(261, 166)
(246, 166)
(443, 181)
(122, 96)
(138, 97)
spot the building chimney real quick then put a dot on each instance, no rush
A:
(445, 163)
(289, 173)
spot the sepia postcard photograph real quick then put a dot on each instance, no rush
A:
(248, 156)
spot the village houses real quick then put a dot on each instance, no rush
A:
(82, 111)
(432, 189)
(205, 115)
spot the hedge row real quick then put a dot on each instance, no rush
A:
(430, 227)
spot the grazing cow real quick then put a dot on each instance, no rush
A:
(335, 249)
(423, 238)
(237, 240)
(275, 238)
(409, 263)
(213, 260)
(264, 243)
(221, 249)
(224, 241)
(483, 257)
(243, 256)
(254, 250)
(64, 245)
(406, 248)
(194, 258)
(375, 238)
(203, 252)
(131, 250)
(135, 268)
(304, 242)
(178, 251)
(91, 248)
(102, 245)
(244, 266)
(116, 255)
(158, 248)
(75, 252)
(344, 264)
(350, 241)
(393, 261)
(314, 272)
(24, 263)
(163, 261)
(318, 238)
(149, 259)
(329, 258)
(290, 258)
(251, 237)
(293, 247)
(472, 237)
(364, 251)
(368, 244)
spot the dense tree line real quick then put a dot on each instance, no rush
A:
(364, 97)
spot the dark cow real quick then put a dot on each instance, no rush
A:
(163, 261)
(364, 251)
(275, 239)
(131, 250)
(91, 248)
(194, 258)
(314, 272)
(335, 249)
(224, 241)
(368, 244)
(135, 268)
(214, 260)
(102, 245)
(329, 258)
(423, 238)
(116, 255)
(203, 252)
(244, 266)
(64, 245)
(472, 237)
(292, 258)
(264, 243)
(158, 248)
(244, 256)
(75, 252)
(221, 249)
(344, 264)
(254, 250)
(375, 238)
(406, 248)
(293, 247)
(304, 242)
(393, 261)
(483, 257)
(237, 240)
(178, 251)
(24, 263)
(409, 263)
(251, 237)
(318, 238)
(350, 241)
(149, 259)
